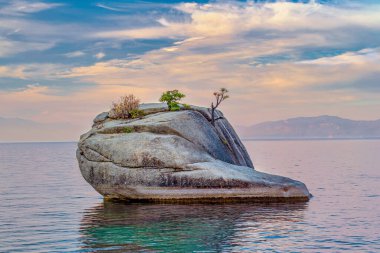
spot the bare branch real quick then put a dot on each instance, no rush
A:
(220, 96)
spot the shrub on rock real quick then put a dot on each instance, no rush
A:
(126, 107)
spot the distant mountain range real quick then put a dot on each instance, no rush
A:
(322, 127)
(16, 130)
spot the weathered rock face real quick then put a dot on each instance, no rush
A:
(173, 156)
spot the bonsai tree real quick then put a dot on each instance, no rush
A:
(220, 96)
(126, 107)
(172, 97)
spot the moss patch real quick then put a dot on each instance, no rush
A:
(186, 106)
(128, 130)
(136, 113)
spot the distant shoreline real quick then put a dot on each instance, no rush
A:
(36, 142)
(310, 139)
(243, 139)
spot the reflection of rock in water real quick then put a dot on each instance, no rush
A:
(176, 228)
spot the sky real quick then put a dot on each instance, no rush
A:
(62, 62)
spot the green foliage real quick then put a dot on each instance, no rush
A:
(186, 106)
(136, 113)
(171, 97)
(128, 130)
(174, 106)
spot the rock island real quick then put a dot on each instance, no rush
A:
(176, 156)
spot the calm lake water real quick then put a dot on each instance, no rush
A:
(46, 206)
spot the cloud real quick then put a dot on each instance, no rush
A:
(33, 71)
(357, 71)
(19, 7)
(21, 34)
(226, 19)
(107, 7)
(9, 47)
(207, 56)
(278, 60)
(75, 54)
(6, 71)
(43, 104)
(224, 44)
(100, 55)
(364, 56)
(219, 70)
(142, 33)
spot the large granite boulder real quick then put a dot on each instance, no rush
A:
(176, 156)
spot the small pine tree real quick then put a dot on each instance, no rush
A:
(172, 97)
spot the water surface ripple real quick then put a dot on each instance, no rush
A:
(46, 206)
